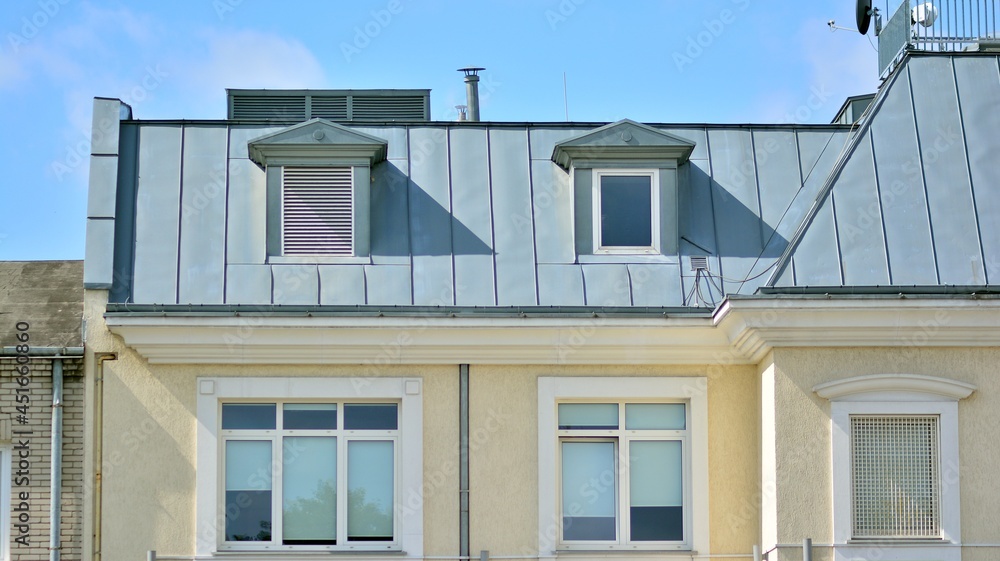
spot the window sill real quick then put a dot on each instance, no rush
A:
(627, 258)
(657, 551)
(272, 554)
(318, 260)
(899, 541)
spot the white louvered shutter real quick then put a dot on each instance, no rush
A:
(317, 211)
(896, 491)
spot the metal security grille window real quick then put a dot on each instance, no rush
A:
(624, 473)
(310, 475)
(895, 477)
(317, 211)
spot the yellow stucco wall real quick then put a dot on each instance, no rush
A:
(504, 460)
(803, 432)
(150, 446)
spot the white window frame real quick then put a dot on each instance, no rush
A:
(896, 395)
(654, 190)
(688, 390)
(407, 512)
(343, 437)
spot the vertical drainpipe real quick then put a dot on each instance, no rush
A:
(99, 446)
(463, 460)
(472, 91)
(55, 489)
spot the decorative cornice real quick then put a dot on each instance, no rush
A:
(376, 341)
(884, 386)
(754, 326)
(742, 331)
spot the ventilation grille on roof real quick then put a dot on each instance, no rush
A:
(317, 211)
(335, 105)
(268, 107)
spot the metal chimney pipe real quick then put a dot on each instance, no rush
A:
(472, 91)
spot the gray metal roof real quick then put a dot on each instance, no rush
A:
(48, 295)
(479, 215)
(915, 200)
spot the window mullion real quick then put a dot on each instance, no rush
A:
(277, 485)
(623, 487)
(341, 481)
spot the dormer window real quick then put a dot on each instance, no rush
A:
(625, 205)
(625, 186)
(318, 191)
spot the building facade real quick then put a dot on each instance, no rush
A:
(327, 324)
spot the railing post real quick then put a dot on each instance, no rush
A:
(756, 553)
(151, 555)
(807, 549)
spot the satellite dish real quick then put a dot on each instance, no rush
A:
(925, 14)
(864, 15)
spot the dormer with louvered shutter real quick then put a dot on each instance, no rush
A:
(318, 181)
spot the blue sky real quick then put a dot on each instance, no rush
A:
(663, 61)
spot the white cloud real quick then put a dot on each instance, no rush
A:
(833, 66)
(245, 59)
(11, 71)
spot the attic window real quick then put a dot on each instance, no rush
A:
(317, 211)
(624, 211)
(318, 191)
(625, 192)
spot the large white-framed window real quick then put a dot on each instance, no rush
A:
(896, 465)
(622, 464)
(626, 211)
(309, 464)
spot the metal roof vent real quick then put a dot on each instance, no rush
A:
(333, 105)
(472, 90)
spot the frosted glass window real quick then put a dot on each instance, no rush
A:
(370, 416)
(370, 483)
(626, 211)
(309, 484)
(310, 416)
(588, 490)
(574, 416)
(248, 490)
(656, 490)
(248, 416)
(654, 416)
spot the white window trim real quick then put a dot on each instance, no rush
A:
(896, 394)
(408, 512)
(552, 390)
(654, 189)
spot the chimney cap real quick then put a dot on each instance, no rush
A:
(471, 70)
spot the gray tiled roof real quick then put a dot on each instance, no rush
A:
(48, 295)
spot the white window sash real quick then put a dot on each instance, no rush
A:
(691, 390)
(406, 442)
(654, 193)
